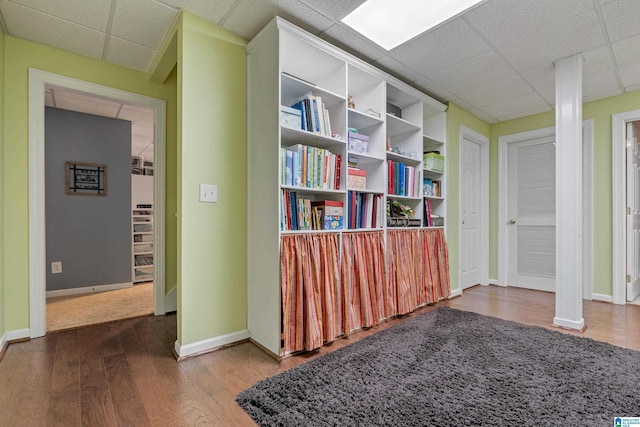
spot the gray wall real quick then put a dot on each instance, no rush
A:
(91, 235)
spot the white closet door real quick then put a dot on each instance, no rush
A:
(532, 214)
(470, 208)
(633, 214)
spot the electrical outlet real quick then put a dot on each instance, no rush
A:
(208, 193)
(56, 267)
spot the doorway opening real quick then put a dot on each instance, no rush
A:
(38, 80)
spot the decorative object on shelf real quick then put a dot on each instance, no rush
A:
(86, 179)
(433, 161)
(351, 104)
(290, 117)
(372, 113)
(357, 178)
(358, 142)
(395, 209)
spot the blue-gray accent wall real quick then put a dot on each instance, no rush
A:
(90, 235)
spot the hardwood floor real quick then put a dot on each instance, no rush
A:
(123, 373)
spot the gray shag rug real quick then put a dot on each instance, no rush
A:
(454, 368)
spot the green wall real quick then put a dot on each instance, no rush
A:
(601, 112)
(212, 140)
(457, 117)
(20, 55)
(2, 296)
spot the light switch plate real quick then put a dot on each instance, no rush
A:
(208, 193)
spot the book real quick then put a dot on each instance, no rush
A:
(300, 106)
(288, 180)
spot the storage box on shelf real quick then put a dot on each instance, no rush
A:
(304, 97)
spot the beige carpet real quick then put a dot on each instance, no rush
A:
(88, 309)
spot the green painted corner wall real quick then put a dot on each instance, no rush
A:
(456, 117)
(2, 296)
(600, 112)
(20, 55)
(212, 141)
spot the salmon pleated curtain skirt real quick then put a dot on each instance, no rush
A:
(331, 289)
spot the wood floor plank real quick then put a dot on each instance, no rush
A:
(124, 373)
(96, 406)
(124, 394)
(64, 399)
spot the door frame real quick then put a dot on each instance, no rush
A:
(619, 202)
(37, 218)
(587, 201)
(483, 141)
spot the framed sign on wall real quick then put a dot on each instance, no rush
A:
(86, 179)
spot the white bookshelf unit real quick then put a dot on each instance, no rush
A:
(285, 64)
(142, 243)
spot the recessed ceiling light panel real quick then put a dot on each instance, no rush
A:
(389, 23)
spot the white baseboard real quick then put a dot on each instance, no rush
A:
(455, 293)
(171, 301)
(209, 344)
(601, 297)
(568, 323)
(17, 335)
(3, 342)
(88, 289)
(494, 282)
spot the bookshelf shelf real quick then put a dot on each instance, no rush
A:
(287, 66)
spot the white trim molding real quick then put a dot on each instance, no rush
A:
(494, 282)
(455, 293)
(601, 297)
(483, 141)
(587, 209)
(37, 234)
(3, 342)
(619, 202)
(88, 289)
(210, 344)
(18, 334)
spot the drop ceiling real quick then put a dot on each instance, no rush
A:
(495, 60)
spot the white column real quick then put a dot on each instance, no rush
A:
(569, 193)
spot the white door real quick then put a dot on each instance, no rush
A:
(531, 216)
(633, 214)
(470, 209)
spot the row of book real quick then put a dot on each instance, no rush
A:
(310, 167)
(366, 210)
(315, 117)
(403, 180)
(430, 218)
(297, 213)
(432, 187)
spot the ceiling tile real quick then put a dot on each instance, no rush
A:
(472, 73)
(142, 130)
(144, 22)
(505, 21)
(460, 102)
(129, 54)
(553, 43)
(622, 19)
(483, 116)
(432, 88)
(602, 83)
(542, 77)
(85, 106)
(42, 28)
(632, 88)
(630, 75)
(352, 42)
(136, 116)
(336, 9)
(393, 67)
(597, 61)
(250, 16)
(440, 48)
(549, 94)
(496, 91)
(626, 51)
(89, 13)
(212, 11)
(602, 95)
(519, 106)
